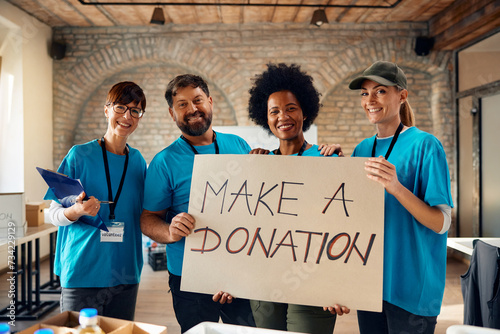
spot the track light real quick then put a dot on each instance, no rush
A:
(319, 17)
(158, 17)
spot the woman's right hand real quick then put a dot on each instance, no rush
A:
(89, 207)
(337, 309)
(222, 297)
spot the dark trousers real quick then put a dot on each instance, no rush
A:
(115, 302)
(394, 320)
(293, 318)
(193, 308)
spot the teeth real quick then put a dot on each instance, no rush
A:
(123, 124)
(287, 126)
(374, 110)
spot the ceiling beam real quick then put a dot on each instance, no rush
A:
(463, 22)
(240, 4)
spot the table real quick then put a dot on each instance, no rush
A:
(464, 245)
(22, 272)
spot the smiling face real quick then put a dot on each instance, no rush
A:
(284, 116)
(382, 103)
(192, 110)
(121, 125)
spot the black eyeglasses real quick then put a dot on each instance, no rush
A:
(134, 111)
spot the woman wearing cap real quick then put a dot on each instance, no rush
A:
(102, 270)
(411, 165)
(284, 101)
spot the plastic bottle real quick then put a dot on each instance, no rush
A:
(4, 328)
(88, 322)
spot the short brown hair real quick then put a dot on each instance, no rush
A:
(126, 92)
(182, 81)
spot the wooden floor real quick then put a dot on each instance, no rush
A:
(154, 303)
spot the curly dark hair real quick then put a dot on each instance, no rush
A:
(278, 78)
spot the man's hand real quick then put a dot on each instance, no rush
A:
(328, 150)
(259, 151)
(181, 226)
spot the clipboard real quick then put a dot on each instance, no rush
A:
(66, 190)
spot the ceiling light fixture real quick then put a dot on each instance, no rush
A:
(158, 16)
(319, 17)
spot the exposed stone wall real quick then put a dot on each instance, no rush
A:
(228, 56)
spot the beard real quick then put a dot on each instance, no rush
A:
(198, 128)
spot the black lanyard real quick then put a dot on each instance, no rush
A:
(214, 139)
(394, 139)
(301, 151)
(108, 179)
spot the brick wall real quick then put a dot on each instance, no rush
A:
(228, 56)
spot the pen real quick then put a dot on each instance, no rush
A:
(101, 202)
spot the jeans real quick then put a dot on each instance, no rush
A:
(394, 320)
(193, 308)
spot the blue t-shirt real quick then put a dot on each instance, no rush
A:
(81, 259)
(414, 255)
(310, 152)
(168, 183)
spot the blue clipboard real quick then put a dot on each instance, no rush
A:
(66, 190)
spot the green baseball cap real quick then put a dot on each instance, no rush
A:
(382, 72)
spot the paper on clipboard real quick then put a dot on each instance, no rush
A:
(66, 190)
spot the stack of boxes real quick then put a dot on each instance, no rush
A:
(157, 257)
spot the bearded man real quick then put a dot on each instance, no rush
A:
(167, 191)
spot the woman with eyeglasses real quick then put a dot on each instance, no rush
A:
(99, 269)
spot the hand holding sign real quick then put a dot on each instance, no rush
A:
(181, 226)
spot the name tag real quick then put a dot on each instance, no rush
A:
(115, 234)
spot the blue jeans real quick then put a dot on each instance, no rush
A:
(394, 320)
(193, 308)
(115, 302)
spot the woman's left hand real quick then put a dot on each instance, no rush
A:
(222, 297)
(328, 150)
(383, 172)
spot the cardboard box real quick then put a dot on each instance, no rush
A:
(34, 213)
(12, 210)
(66, 323)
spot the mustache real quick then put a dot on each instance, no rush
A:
(195, 114)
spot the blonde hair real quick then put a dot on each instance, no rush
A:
(406, 112)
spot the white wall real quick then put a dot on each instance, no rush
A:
(25, 54)
(25, 105)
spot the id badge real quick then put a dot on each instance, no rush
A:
(115, 234)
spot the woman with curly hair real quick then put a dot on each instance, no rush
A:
(284, 101)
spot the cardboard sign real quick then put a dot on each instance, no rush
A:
(298, 230)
